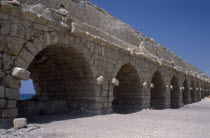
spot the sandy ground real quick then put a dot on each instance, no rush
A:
(191, 121)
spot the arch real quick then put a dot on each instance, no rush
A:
(158, 93)
(175, 93)
(62, 78)
(193, 92)
(186, 96)
(197, 92)
(128, 94)
(205, 92)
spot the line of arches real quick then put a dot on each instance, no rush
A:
(63, 78)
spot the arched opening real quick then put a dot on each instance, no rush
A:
(62, 79)
(128, 94)
(193, 92)
(205, 91)
(185, 93)
(175, 93)
(158, 94)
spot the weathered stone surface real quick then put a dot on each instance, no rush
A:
(5, 28)
(11, 103)
(15, 45)
(26, 55)
(20, 73)
(19, 123)
(115, 82)
(12, 93)
(100, 80)
(2, 91)
(73, 58)
(12, 82)
(9, 113)
(2, 103)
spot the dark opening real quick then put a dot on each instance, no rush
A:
(128, 94)
(193, 92)
(62, 80)
(185, 93)
(175, 93)
(158, 95)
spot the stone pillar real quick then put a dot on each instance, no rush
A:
(8, 100)
(10, 94)
(168, 98)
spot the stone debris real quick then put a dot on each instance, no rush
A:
(19, 123)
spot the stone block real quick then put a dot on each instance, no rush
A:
(20, 73)
(2, 103)
(100, 80)
(115, 82)
(9, 113)
(14, 45)
(11, 103)
(12, 93)
(26, 55)
(12, 82)
(19, 123)
(95, 106)
(2, 91)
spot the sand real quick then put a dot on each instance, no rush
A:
(191, 121)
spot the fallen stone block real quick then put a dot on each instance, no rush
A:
(19, 123)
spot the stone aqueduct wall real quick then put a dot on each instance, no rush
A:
(80, 57)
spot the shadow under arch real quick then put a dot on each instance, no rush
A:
(63, 80)
(198, 92)
(128, 95)
(205, 90)
(186, 96)
(158, 93)
(193, 92)
(175, 93)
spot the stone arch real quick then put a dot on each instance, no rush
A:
(158, 92)
(175, 93)
(193, 92)
(128, 94)
(63, 79)
(186, 96)
(205, 90)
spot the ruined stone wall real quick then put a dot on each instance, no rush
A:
(85, 66)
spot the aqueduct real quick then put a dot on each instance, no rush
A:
(81, 57)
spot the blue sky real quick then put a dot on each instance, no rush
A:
(182, 26)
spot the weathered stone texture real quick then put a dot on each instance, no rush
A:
(92, 62)
(19, 123)
(2, 91)
(12, 93)
(20, 73)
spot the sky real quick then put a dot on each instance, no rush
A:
(183, 26)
